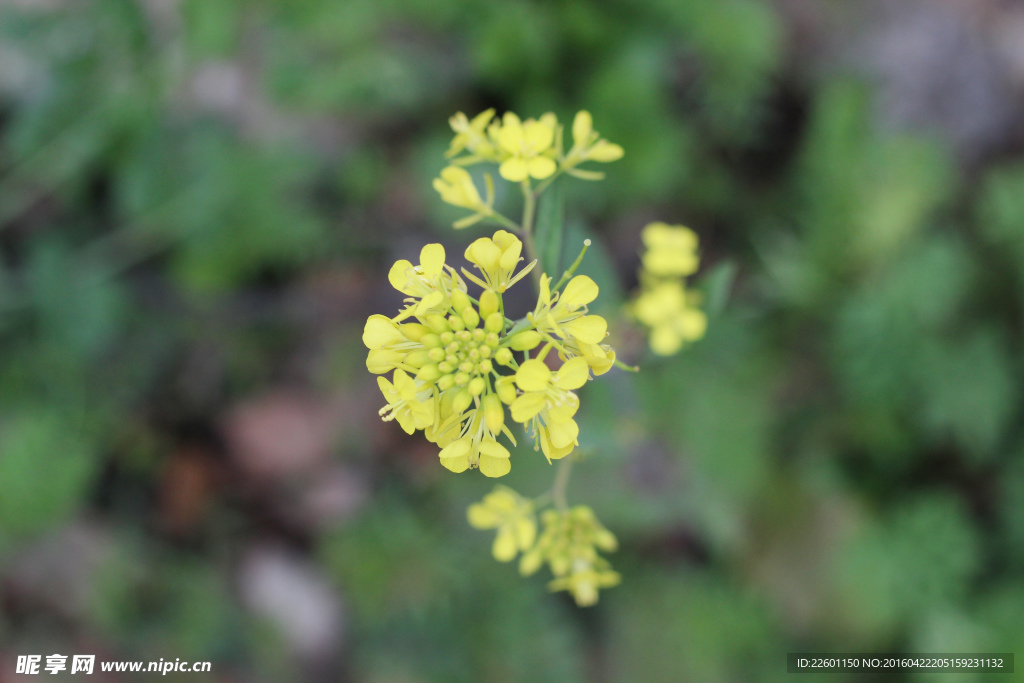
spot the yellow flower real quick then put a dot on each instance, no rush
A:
(471, 136)
(526, 147)
(512, 515)
(497, 257)
(456, 188)
(478, 447)
(588, 146)
(671, 250)
(548, 404)
(564, 315)
(406, 402)
(666, 308)
(569, 545)
(430, 284)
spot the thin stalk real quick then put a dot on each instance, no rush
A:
(572, 269)
(561, 483)
(529, 206)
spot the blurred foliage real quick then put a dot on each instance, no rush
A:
(199, 202)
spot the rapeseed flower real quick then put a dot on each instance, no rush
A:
(512, 515)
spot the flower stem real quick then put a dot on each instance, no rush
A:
(561, 483)
(572, 269)
(529, 205)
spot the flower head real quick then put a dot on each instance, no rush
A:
(669, 311)
(496, 258)
(456, 188)
(512, 515)
(671, 250)
(588, 145)
(471, 136)
(548, 403)
(526, 148)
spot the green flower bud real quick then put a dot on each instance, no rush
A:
(492, 340)
(494, 414)
(477, 386)
(524, 341)
(446, 382)
(489, 303)
(447, 337)
(463, 399)
(503, 356)
(479, 335)
(464, 336)
(428, 373)
(413, 331)
(419, 358)
(465, 366)
(456, 323)
(470, 317)
(506, 389)
(436, 354)
(485, 351)
(462, 379)
(484, 366)
(460, 300)
(437, 323)
(495, 323)
(431, 341)
(445, 367)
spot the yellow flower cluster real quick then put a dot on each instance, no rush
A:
(523, 150)
(452, 359)
(664, 304)
(569, 544)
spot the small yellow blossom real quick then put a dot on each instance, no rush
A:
(406, 402)
(497, 257)
(588, 146)
(526, 147)
(565, 314)
(548, 404)
(472, 136)
(671, 250)
(456, 188)
(668, 310)
(429, 284)
(512, 515)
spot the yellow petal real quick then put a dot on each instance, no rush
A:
(590, 329)
(573, 374)
(526, 532)
(582, 127)
(665, 341)
(484, 253)
(533, 375)
(482, 517)
(432, 259)
(494, 467)
(580, 291)
(527, 406)
(380, 331)
(542, 167)
(455, 456)
(605, 151)
(399, 276)
(504, 548)
(538, 136)
(514, 170)
(564, 433)
(379, 361)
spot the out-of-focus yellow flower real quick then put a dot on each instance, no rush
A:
(526, 148)
(512, 515)
(548, 404)
(588, 146)
(497, 257)
(670, 312)
(456, 188)
(671, 250)
(471, 136)
(569, 545)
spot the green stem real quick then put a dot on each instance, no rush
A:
(506, 222)
(561, 483)
(529, 205)
(572, 269)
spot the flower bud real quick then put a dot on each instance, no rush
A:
(428, 373)
(418, 358)
(503, 356)
(447, 337)
(479, 335)
(437, 323)
(463, 399)
(489, 304)
(446, 382)
(465, 366)
(470, 317)
(436, 354)
(460, 300)
(495, 323)
(462, 378)
(477, 386)
(506, 389)
(491, 340)
(494, 414)
(413, 331)
(445, 367)
(431, 340)
(524, 341)
(484, 366)
(485, 351)
(455, 322)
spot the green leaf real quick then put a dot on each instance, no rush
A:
(716, 286)
(548, 233)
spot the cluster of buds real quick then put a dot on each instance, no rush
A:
(664, 304)
(453, 363)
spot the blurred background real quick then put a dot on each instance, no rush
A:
(199, 202)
